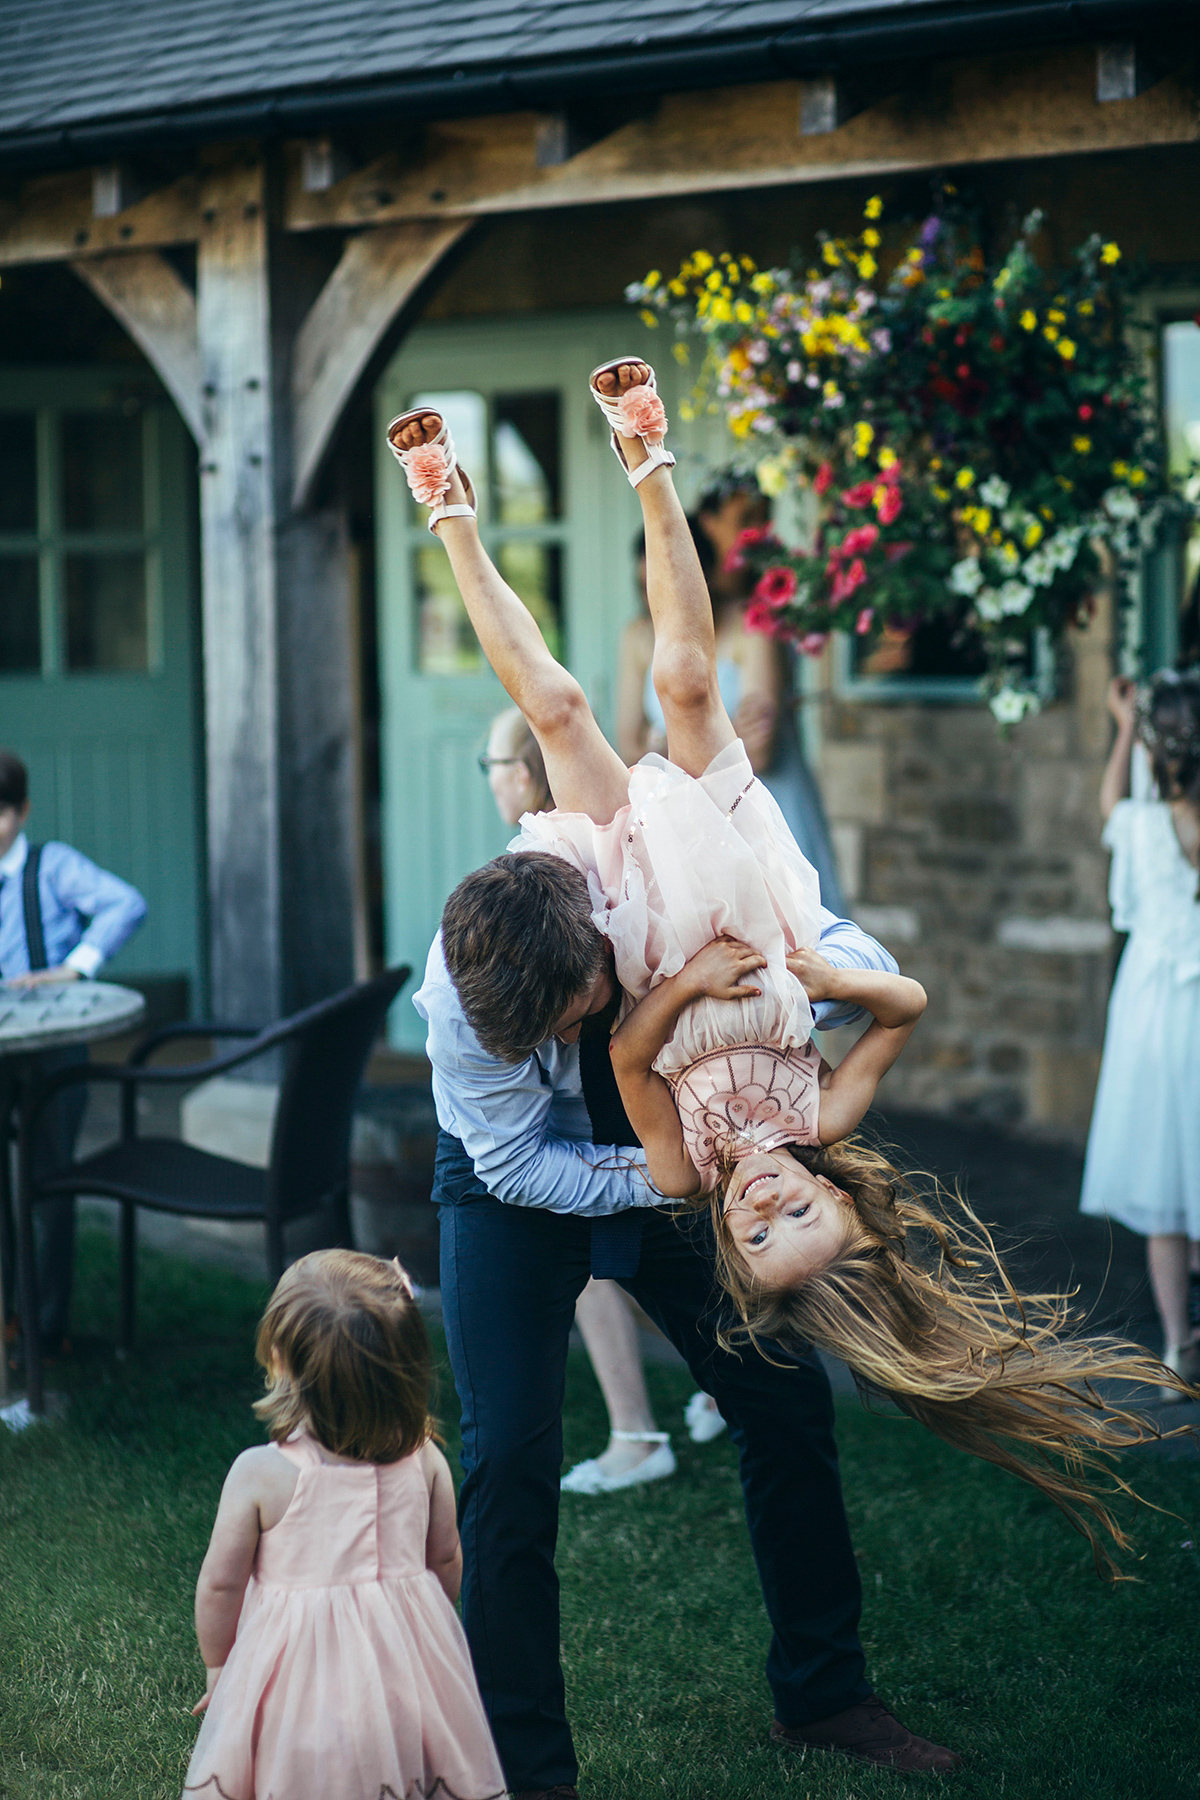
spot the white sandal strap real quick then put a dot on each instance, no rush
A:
(445, 438)
(641, 1437)
(657, 457)
(450, 512)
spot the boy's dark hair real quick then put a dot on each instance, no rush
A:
(14, 779)
(520, 946)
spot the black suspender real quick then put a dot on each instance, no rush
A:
(32, 901)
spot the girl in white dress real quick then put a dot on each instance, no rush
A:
(819, 1240)
(1143, 1156)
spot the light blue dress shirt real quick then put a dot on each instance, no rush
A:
(525, 1125)
(87, 914)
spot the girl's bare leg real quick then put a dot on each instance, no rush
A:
(584, 771)
(1167, 1261)
(610, 1336)
(685, 658)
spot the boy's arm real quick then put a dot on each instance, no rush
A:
(896, 1003)
(113, 908)
(845, 945)
(717, 971)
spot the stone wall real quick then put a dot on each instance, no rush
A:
(977, 859)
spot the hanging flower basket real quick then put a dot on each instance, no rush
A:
(980, 440)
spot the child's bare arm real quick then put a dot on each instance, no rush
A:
(255, 1497)
(443, 1552)
(716, 971)
(896, 1003)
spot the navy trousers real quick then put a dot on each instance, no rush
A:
(510, 1278)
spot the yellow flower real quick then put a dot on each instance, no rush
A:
(1066, 349)
(749, 264)
(677, 288)
(873, 208)
(1033, 534)
(772, 476)
(1110, 253)
(687, 411)
(649, 318)
(887, 458)
(680, 352)
(722, 312)
(1120, 470)
(1086, 308)
(725, 257)
(867, 266)
(652, 279)
(981, 520)
(829, 253)
(1047, 513)
(1028, 320)
(1002, 280)
(702, 261)
(1081, 445)
(965, 478)
(743, 312)
(714, 282)
(943, 293)
(830, 390)
(763, 283)
(1137, 477)
(1067, 486)
(941, 493)
(935, 462)
(997, 537)
(1050, 332)
(864, 437)
(915, 255)
(871, 238)
(1056, 317)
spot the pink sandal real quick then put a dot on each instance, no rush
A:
(638, 412)
(429, 466)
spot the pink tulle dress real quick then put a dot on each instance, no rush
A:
(350, 1677)
(686, 860)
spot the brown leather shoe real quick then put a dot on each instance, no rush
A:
(871, 1732)
(562, 1792)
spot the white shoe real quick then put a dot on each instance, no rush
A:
(589, 1478)
(1182, 1360)
(704, 1422)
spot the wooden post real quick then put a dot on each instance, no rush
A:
(237, 510)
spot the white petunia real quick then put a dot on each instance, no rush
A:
(1011, 704)
(1063, 547)
(1039, 569)
(966, 577)
(1119, 503)
(1009, 557)
(1014, 596)
(988, 605)
(994, 492)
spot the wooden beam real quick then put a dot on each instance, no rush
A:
(158, 310)
(52, 220)
(1018, 105)
(239, 593)
(378, 274)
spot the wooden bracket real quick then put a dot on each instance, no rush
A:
(158, 310)
(378, 274)
(325, 161)
(563, 135)
(1123, 71)
(118, 186)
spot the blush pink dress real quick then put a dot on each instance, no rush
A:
(350, 1677)
(686, 860)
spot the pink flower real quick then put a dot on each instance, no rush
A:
(642, 414)
(863, 537)
(863, 622)
(860, 495)
(814, 642)
(888, 503)
(760, 617)
(428, 471)
(776, 587)
(846, 581)
(823, 479)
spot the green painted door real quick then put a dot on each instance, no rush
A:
(97, 628)
(559, 518)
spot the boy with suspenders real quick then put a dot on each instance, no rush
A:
(60, 917)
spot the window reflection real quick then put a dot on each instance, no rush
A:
(106, 613)
(18, 472)
(526, 452)
(446, 643)
(534, 571)
(101, 471)
(20, 626)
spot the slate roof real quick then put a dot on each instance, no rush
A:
(67, 65)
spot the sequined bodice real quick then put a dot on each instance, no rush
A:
(747, 1100)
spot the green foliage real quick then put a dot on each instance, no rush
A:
(983, 1622)
(980, 438)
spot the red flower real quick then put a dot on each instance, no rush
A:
(863, 622)
(1085, 411)
(776, 587)
(996, 342)
(888, 504)
(963, 371)
(760, 617)
(823, 479)
(751, 535)
(846, 581)
(861, 539)
(814, 642)
(860, 495)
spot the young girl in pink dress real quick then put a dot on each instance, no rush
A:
(712, 914)
(325, 1605)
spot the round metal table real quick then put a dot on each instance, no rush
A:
(54, 1016)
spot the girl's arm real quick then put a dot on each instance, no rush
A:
(1122, 697)
(443, 1552)
(715, 971)
(895, 1003)
(255, 1496)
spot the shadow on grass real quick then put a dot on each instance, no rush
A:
(984, 1624)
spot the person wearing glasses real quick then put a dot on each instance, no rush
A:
(637, 1451)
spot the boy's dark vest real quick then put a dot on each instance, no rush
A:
(616, 1239)
(32, 902)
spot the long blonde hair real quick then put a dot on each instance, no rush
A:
(921, 1307)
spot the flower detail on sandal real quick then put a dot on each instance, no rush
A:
(642, 414)
(428, 471)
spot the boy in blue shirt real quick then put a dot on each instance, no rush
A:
(60, 917)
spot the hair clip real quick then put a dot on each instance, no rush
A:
(406, 1281)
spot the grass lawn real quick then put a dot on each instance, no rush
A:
(984, 1624)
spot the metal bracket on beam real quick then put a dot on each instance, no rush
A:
(1123, 71)
(324, 162)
